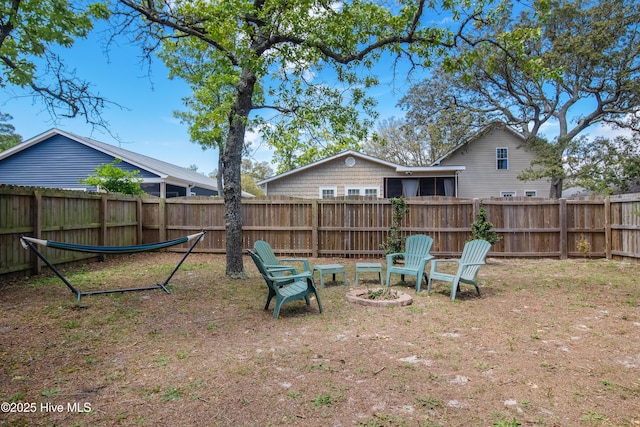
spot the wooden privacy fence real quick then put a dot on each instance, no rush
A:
(65, 216)
(529, 227)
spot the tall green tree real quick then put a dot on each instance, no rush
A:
(602, 165)
(593, 50)
(31, 33)
(297, 71)
(395, 141)
(8, 135)
(433, 118)
(252, 173)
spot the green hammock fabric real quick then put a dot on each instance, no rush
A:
(112, 249)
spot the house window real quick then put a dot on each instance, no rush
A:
(361, 191)
(373, 192)
(530, 193)
(427, 186)
(328, 192)
(502, 158)
(507, 194)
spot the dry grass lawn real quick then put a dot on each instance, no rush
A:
(549, 343)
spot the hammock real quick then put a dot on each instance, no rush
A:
(109, 249)
(30, 242)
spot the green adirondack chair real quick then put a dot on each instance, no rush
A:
(286, 287)
(416, 256)
(473, 256)
(273, 264)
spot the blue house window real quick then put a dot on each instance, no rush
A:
(502, 158)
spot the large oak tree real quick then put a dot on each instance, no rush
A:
(591, 49)
(256, 64)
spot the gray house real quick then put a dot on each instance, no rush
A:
(485, 165)
(59, 159)
(351, 173)
(493, 158)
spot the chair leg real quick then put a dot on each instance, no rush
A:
(271, 294)
(455, 286)
(276, 311)
(388, 278)
(428, 285)
(419, 283)
(318, 299)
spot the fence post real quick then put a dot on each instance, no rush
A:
(476, 210)
(314, 228)
(162, 220)
(37, 229)
(563, 228)
(102, 239)
(607, 228)
(139, 221)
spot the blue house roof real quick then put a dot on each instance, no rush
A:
(59, 159)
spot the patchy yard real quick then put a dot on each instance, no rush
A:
(550, 343)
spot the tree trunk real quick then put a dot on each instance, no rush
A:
(232, 162)
(556, 188)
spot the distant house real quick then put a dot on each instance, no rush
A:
(59, 159)
(485, 165)
(493, 158)
(352, 173)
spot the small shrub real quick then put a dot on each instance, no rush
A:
(482, 229)
(583, 246)
(395, 242)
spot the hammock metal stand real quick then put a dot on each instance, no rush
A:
(31, 243)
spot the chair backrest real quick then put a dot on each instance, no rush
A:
(474, 251)
(265, 252)
(417, 247)
(258, 262)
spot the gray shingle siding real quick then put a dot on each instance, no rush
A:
(57, 162)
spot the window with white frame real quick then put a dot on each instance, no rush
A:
(361, 191)
(507, 194)
(328, 192)
(373, 192)
(530, 193)
(502, 158)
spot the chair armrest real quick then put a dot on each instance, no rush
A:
(302, 260)
(391, 257)
(465, 264)
(271, 267)
(294, 277)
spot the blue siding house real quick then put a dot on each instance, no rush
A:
(59, 159)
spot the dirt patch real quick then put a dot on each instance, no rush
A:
(549, 343)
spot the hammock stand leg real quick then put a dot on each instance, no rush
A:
(55, 270)
(162, 286)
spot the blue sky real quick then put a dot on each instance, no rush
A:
(147, 125)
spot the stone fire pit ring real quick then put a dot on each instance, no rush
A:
(359, 296)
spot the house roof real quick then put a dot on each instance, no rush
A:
(398, 168)
(166, 171)
(485, 130)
